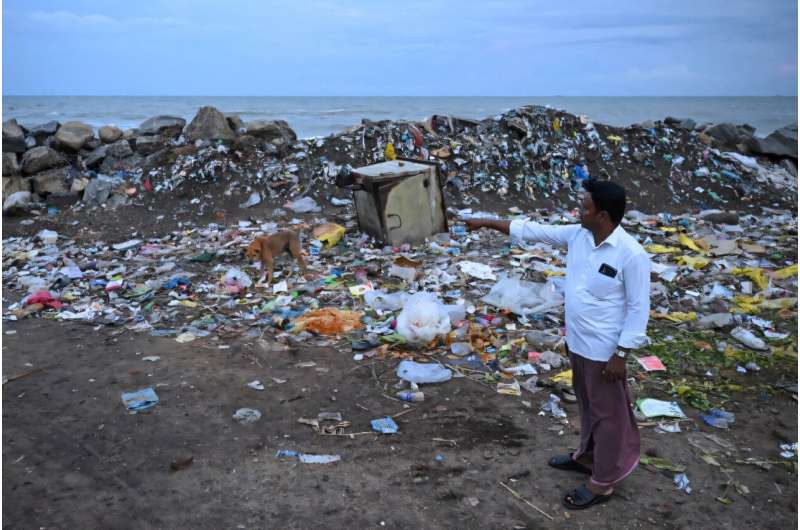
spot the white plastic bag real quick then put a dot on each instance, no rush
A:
(524, 298)
(416, 373)
(748, 338)
(237, 277)
(303, 205)
(423, 318)
(385, 301)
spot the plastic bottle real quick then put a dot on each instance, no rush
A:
(415, 397)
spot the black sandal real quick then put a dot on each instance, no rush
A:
(566, 463)
(581, 498)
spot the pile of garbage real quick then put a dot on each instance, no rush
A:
(534, 156)
(475, 308)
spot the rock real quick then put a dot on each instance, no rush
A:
(789, 166)
(74, 135)
(704, 139)
(235, 122)
(17, 202)
(723, 218)
(96, 156)
(112, 164)
(44, 130)
(724, 133)
(209, 124)
(247, 142)
(78, 185)
(41, 158)
(102, 188)
(687, 124)
(271, 130)
(119, 149)
(638, 156)
(13, 137)
(148, 144)
(672, 122)
(109, 134)
(130, 134)
(13, 185)
(167, 126)
(92, 144)
(52, 181)
(781, 143)
(10, 165)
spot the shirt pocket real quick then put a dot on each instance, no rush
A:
(602, 287)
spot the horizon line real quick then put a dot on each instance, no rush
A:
(399, 96)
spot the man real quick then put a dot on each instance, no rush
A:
(607, 301)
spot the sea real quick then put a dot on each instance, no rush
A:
(322, 116)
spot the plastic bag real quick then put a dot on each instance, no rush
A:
(415, 372)
(385, 301)
(303, 205)
(328, 321)
(236, 279)
(329, 233)
(524, 298)
(48, 237)
(423, 318)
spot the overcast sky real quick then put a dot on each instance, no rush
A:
(408, 47)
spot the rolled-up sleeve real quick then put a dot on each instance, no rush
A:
(521, 230)
(636, 275)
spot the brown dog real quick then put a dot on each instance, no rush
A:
(267, 248)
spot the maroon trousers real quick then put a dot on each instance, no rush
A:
(608, 427)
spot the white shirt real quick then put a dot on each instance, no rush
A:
(603, 311)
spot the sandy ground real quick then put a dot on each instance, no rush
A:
(74, 458)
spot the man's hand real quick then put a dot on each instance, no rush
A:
(615, 369)
(474, 224)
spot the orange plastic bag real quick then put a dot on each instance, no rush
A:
(328, 321)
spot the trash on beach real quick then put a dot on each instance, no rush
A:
(652, 363)
(247, 416)
(328, 321)
(682, 483)
(419, 373)
(140, 400)
(308, 458)
(718, 418)
(655, 408)
(423, 318)
(384, 425)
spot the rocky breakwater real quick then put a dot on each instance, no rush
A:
(531, 156)
(55, 162)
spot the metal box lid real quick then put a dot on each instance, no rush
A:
(391, 169)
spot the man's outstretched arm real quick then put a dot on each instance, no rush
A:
(527, 230)
(493, 224)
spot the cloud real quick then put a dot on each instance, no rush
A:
(664, 72)
(68, 20)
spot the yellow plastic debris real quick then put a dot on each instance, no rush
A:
(389, 153)
(329, 233)
(556, 125)
(677, 316)
(693, 262)
(786, 272)
(754, 304)
(697, 245)
(614, 138)
(754, 273)
(565, 378)
(661, 249)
